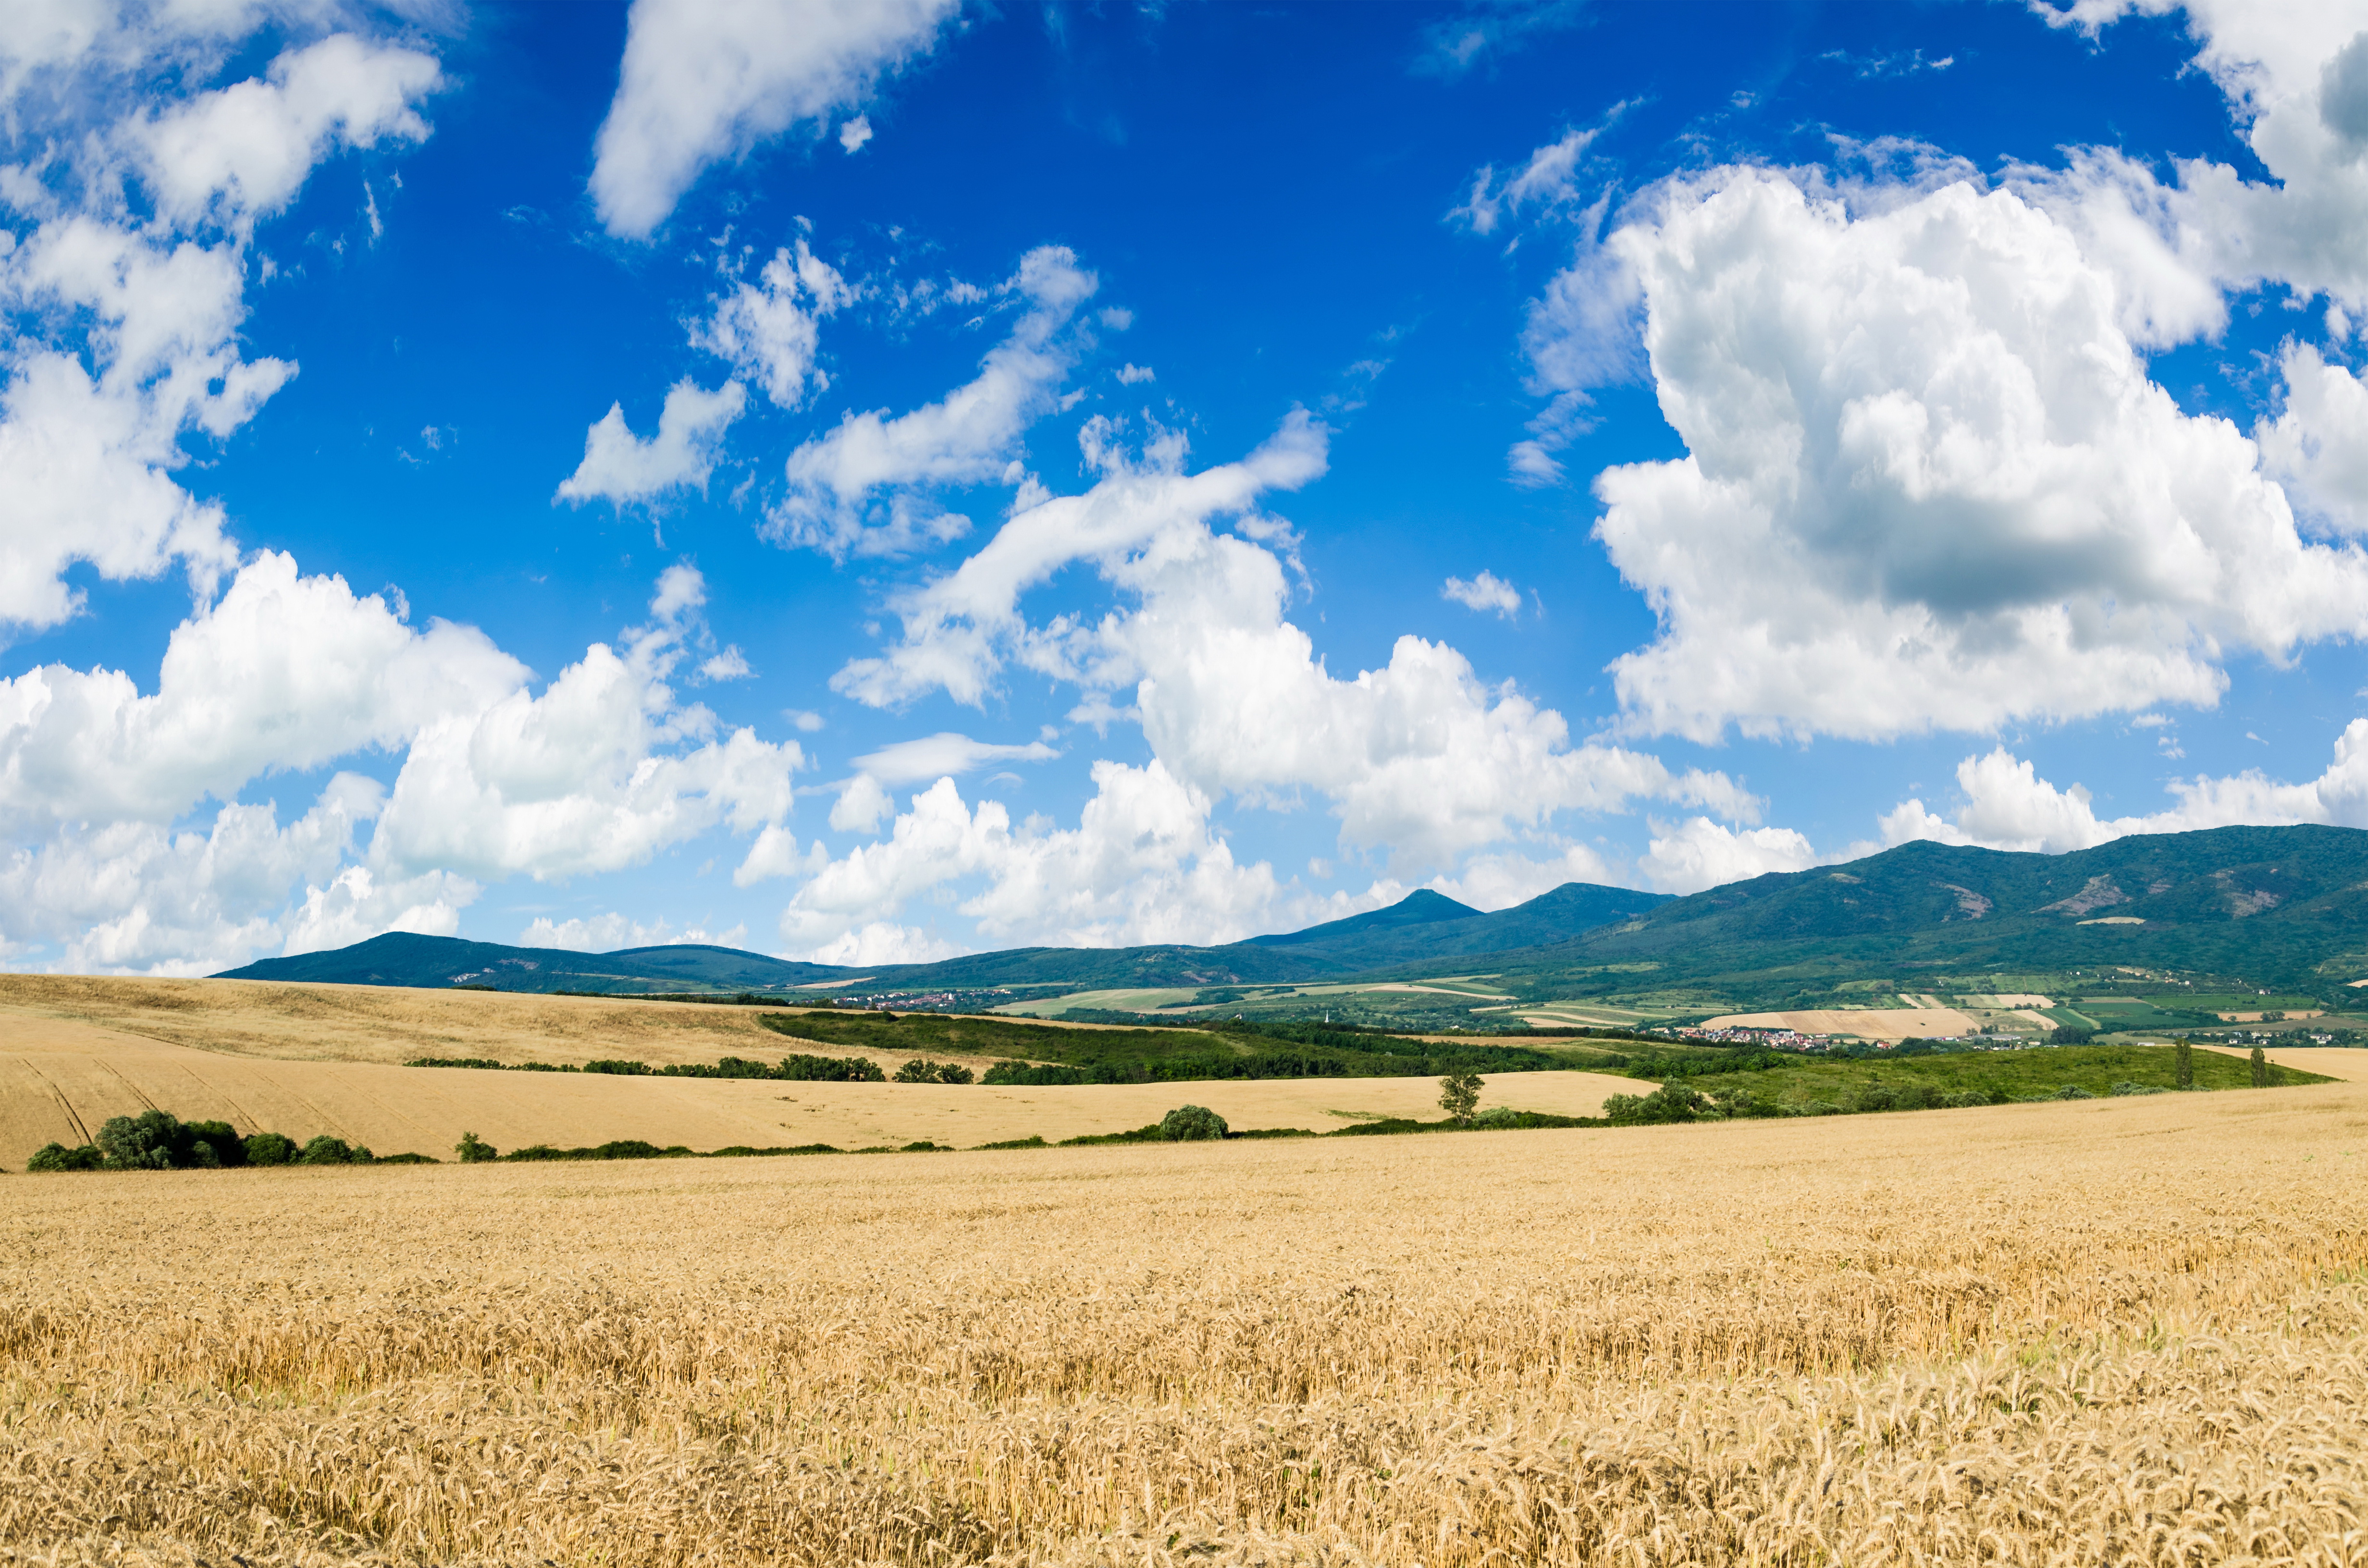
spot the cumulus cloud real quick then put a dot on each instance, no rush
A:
(1490, 881)
(596, 772)
(1485, 592)
(619, 467)
(242, 153)
(706, 80)
(770, 330)
(1141, 866)
(2009, 806)
(1928, 484)
(609, 932)
(972, 433)
(2318, 445)
(1419, 758)
(284, 672)
(601, 769)
(128, 326)
(2296, 82)
(861, 806)
(1699, 853)
(944, 755)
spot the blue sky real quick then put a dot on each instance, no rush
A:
(882, 482)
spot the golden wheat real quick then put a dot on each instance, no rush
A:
(2122, 1332)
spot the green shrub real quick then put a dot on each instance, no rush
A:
(921, 1070)
(58, 1157)
(474, 1151)
(1672, 1102)
(1497, 1117)
(1191, 1124)
(1036, 1141)
(145, 1142)
(1031, 1075)
(2072, 1092)
(270, 1149)
(326, 1150)
(2126, 1088)
(2070, 1035)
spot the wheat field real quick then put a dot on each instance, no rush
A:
(63, 1087)
(2118, 1331)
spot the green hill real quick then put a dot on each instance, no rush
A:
(2284, 907)
(1422, 925)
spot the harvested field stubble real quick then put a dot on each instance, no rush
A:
(2121, 1331)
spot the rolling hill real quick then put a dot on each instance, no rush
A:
(2282, 906)
(1422, 925)
(2278, 906)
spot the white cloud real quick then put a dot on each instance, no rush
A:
(129, 328)
(2318, 446)
(730, 665)
(774, 852)
(241, 152)
(1142, 866)
(1485, 592)
(944, 755)
(132, 895)
(2296, 80)
(1928, 484)
(971, 434)
(609, 932)
(1136, 375)
(705, 80)
(1419, 757)
(1699, 853)
(769, 330)
(619, 467)
(284, 672)
(883, 942)
(287, 673)
(855, 132)
(595, 773)
(1502, 881)
(862, 806)
(2009, 806)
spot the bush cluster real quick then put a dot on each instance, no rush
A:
(1034, 1076)
(159, 1141)
(921, 1070)
(1674, 1102)
(1191, 1124)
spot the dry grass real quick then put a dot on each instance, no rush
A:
(76, 1075)
(385, 1024)
(305, 1060)
(2122, 1330)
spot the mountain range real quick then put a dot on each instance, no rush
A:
(2284, 906)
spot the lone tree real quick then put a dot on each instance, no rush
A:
(1191, 1124)
(2184, 1064)
(2261, 1069)
(1459, 1095)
